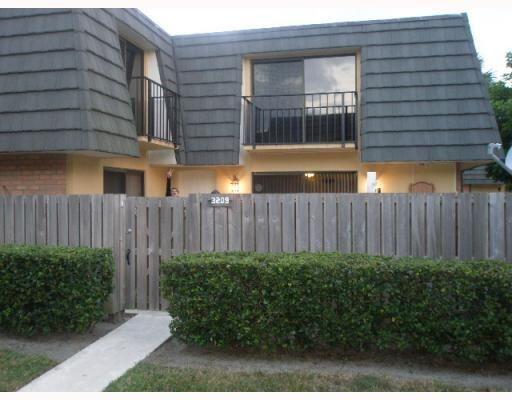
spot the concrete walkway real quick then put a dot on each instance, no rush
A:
(93, 368)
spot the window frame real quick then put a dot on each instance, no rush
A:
(126, 171)
(123, 45)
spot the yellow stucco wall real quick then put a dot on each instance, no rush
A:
(396, 178)
(85, 174)
(195, 180)
(392, 178)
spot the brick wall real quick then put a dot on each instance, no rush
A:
(32, 174)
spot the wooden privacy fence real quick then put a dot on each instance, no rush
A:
(144, 231)
(89, 221)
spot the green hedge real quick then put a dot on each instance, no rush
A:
(53, 289)
(348, 302)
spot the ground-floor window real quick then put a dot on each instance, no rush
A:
(305, 182)
(123, 181)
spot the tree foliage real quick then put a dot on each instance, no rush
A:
(500, 92)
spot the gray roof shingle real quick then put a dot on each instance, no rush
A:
(51, 61)
(422, 96)
(62, 84)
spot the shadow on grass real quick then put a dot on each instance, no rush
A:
(150, 377)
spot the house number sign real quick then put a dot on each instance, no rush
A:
(220, 201)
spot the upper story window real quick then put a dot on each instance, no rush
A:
(133, 59)
(305, 76)
(302, 100)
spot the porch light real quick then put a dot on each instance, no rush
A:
(309, 175)
(371, 182)
(235, 184)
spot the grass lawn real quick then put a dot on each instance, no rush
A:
(16, 370)
(155, 378)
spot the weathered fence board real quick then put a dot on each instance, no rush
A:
(316, 221)
(359, 225)
(261, 223)
(145, 231)
(433, 231)
(234, 215)
(248, 243)
(480, 227)
(373, 224)
(497, 218)
(344, 224)
(153, 253)
(131, 271)
(403, 225)
(388, 225)
(207, 225)
(288, 224)
(9, 223)
(178, 226)
(418, 225)
(301, 223)
(2, 220)
(193, 224)
(330, 223)
(465, 231)
(221, 229)
(63, 220)
(141, 252)
(74, 220)
(274, 216)
(52, 230)
(448, 226)
(30, 220)
(19, 218)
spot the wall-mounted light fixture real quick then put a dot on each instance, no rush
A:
(309, 175)
(235, 184)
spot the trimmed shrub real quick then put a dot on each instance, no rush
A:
(53, 289)
(343, 301)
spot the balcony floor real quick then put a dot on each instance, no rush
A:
(154, 143)
(301, 148)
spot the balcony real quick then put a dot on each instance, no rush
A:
(305, 119)
(155, 110)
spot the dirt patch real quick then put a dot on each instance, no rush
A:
(58, 347)
(174, 353)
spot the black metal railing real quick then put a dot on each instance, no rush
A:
(155, 109)
(300, 119)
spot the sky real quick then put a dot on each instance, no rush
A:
(490, 20)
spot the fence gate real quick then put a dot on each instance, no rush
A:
(154, 232)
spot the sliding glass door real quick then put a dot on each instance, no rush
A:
(304, 100)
